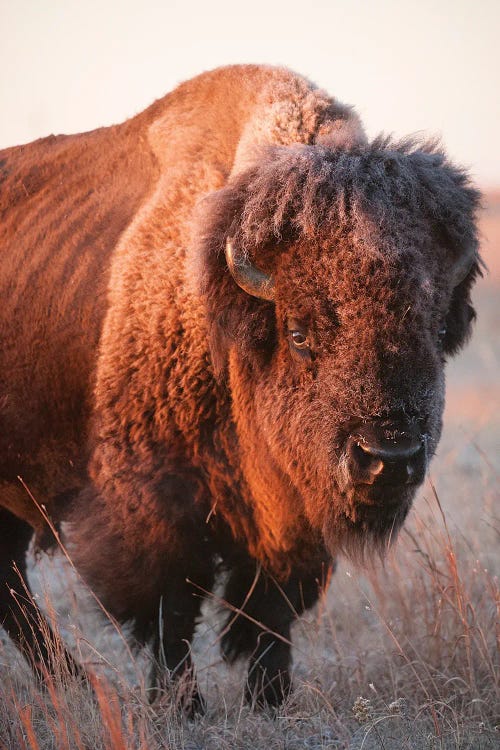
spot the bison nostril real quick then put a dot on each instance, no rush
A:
(397, 461)
(368, 461)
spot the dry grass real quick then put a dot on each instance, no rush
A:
(401, 656)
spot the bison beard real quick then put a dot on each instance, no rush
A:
(224, 331)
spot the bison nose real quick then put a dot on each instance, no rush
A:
(399, 460)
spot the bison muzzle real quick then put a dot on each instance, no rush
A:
(224, 330)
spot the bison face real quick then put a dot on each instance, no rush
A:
(336, 349)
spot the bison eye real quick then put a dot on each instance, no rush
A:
(300, 340)
(442, 334)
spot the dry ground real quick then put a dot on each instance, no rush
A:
(398, 656)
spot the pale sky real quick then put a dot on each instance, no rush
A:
(428, 66)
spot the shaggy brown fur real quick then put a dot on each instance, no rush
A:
(167, 414)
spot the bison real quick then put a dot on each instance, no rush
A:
(224, 331)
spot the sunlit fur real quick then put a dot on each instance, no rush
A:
(361, 243)
(160, 410)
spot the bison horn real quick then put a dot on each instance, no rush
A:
(248, 277)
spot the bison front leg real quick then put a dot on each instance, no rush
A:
(258, 626)
(146, 556)
(178, 610)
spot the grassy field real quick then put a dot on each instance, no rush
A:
(402, 655)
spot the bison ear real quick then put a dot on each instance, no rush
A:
(233, 316)
(219, 343)
(455, 211)
(451, 204)
(461, 313)
(244, 323)
(206, 267)
(218, 353)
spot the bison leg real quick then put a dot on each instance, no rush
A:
(262, 631)
(179, 609)
(22, 620)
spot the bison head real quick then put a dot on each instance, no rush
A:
(336, 284)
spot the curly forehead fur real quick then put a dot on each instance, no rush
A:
(301, 191)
